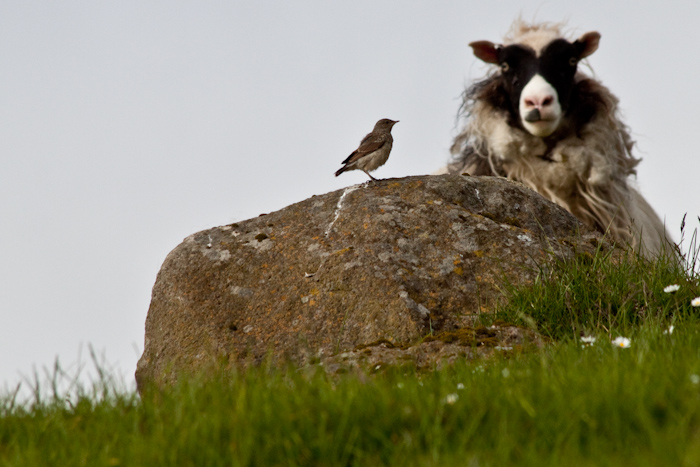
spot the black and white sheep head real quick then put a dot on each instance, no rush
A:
(538, 82)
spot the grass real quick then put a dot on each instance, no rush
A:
(565, 404)
(602, 292)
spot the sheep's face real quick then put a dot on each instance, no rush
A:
(538, 82)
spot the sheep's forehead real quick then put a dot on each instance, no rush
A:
(536, 36)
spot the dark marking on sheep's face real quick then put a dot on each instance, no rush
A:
(538, 83)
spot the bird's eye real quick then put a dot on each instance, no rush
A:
(505, 67)
(573, 61)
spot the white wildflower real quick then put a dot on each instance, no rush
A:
(672, 288)
(622, 342)
(695, 379)
(505, 372)
(669, 331)
(460, 386)
(695, 301)
(588, 340)
(451, 398)
(399, 385)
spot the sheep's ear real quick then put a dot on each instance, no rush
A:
(486, 51)
(587, 44)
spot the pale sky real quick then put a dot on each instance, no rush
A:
(127, 126)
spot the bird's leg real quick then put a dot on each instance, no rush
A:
(374, 179)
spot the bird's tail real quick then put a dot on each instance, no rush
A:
(340, 171)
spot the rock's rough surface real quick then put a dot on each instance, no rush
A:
(377, 265)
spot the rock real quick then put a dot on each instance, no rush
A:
(374, 266)
(436, 351)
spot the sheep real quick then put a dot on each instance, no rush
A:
(537, 119)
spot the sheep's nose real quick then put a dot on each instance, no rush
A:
(539, 102)
(538, 105)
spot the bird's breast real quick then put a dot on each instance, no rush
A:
(375, 159)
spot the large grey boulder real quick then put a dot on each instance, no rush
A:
(374, 266)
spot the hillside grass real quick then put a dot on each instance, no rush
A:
(568, 403)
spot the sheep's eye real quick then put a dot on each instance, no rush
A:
(505, 67)
(573, 61)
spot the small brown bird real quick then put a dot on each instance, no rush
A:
(373, 151)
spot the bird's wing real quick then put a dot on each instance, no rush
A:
(366, 147)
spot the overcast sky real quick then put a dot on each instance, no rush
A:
(127, 126)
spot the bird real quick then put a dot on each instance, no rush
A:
(373, 151)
